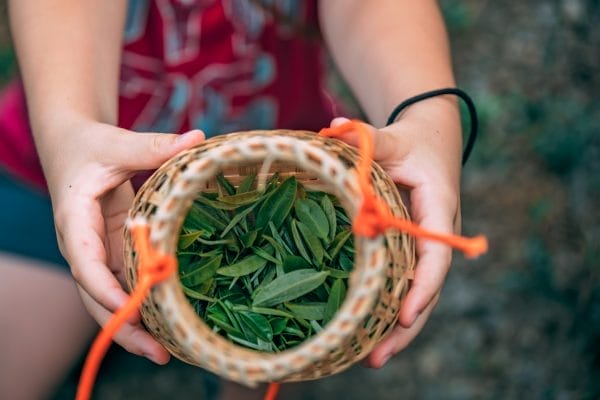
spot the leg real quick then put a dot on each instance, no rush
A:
(44, 328)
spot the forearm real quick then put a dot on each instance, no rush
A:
(68, 52)
(388, 50)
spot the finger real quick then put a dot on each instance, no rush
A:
(434, 258)
(82, 239)
(385, 144)
(115, 208)
(397, 340)
(131, 336)
(144, 151)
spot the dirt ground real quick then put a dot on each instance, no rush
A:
(523, 321)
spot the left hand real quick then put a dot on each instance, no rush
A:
(422, 152)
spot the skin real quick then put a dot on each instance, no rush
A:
(69, 54)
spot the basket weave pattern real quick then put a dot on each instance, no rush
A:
(377, 285)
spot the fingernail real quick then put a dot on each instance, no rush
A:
(339, 121)
(185, 136)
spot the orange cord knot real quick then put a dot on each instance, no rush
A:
(153, 265)
(375, 216)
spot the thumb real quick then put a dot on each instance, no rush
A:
(143, 151)
(386, 143)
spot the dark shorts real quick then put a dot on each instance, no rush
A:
(26, 223)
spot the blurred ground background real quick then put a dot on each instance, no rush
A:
(522, 322)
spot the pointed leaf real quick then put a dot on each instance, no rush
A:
(289, 287)
(314, 243)
(336, 298)
(225, 184)
(308, 311)
(258, 324)
(277, 205)
(240, 199)
(202, 272)
(243, 267)
(298, 241)
(329, 210)
(292, 263)
(312, 215)
(246, 184)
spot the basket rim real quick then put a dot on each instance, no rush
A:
(257, 148)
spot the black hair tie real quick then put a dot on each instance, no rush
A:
(440, 92)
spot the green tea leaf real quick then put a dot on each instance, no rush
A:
(278, 324)
(271, 311)
(187, 239)
(314, 244)
(289, 287)
(279, 239)
(240, 199)
(206, 216)
(264, 253)
(236, 219)
(313, 216)
(277, 205)
(329, 210)
(298, 241)
(315, 325)
(225, 184)
(217, 313)
(219, 205)
(307, 310)
(202, 272)
(258, 324)
(346, 262)
(342, 217)
(248, 239)
(268, 278)
(243, 267)
(293, 263)
(290, 330)
(197, 295)
(223, 325)
(336, 298)
(276, 245)
(195, 221)
(338, 242)
(246, 184)
(244, 342)
(336, 273)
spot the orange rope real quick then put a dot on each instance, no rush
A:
(153, 267)
(374, 216)
(272, 391)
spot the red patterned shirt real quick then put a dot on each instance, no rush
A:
(216, 65)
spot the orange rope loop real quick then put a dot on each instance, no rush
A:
(374, 215)
(153, 267)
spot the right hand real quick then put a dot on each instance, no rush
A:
(88, 179)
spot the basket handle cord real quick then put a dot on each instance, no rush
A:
(375, 217)
(153, 267)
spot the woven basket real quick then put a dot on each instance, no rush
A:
(377, 285)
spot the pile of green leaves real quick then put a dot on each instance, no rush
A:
(265, 268)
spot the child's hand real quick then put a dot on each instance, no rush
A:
(421, 153)
(91, 194)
